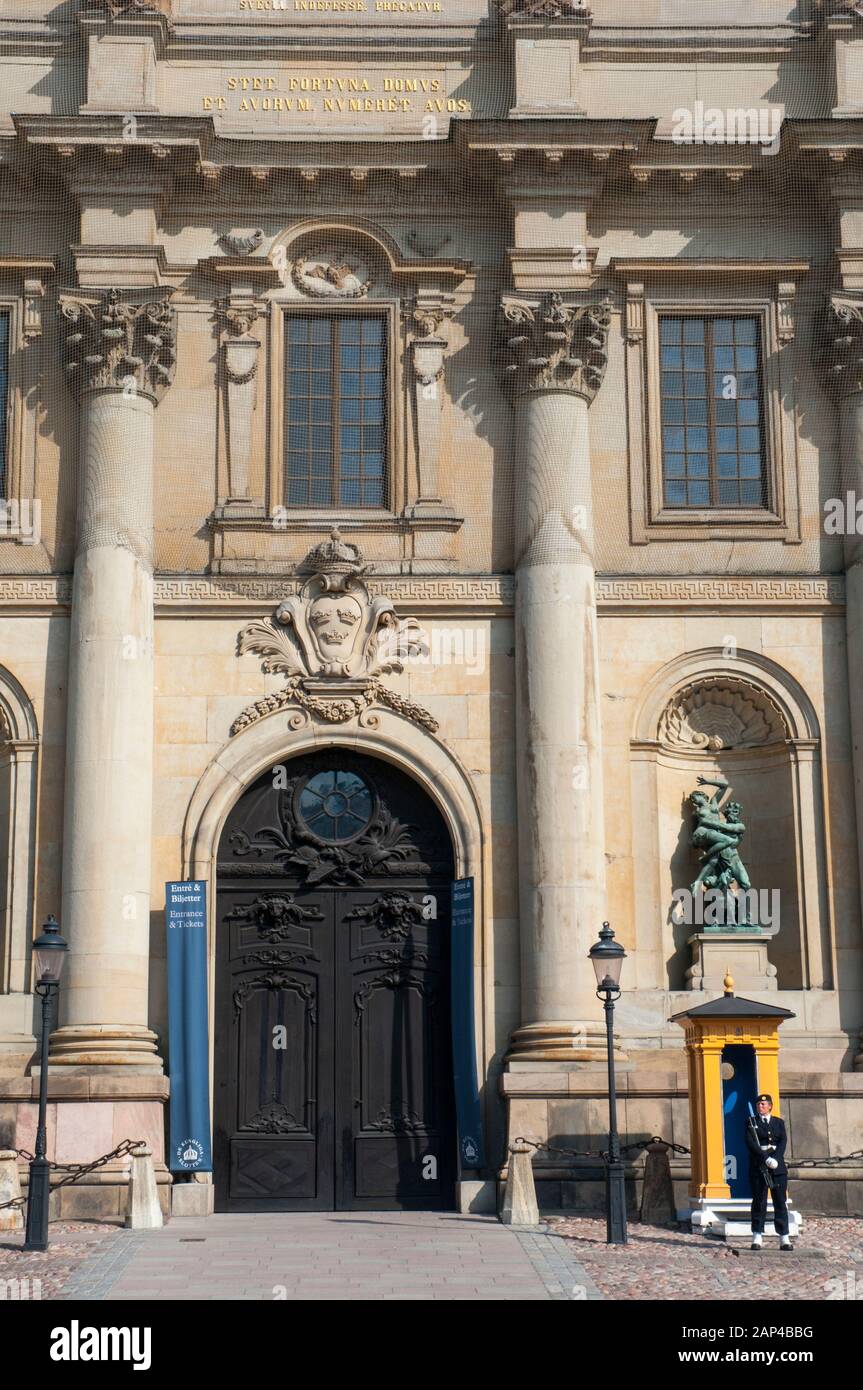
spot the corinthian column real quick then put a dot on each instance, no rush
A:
(840, 345)
(556, 361)
(119, 352)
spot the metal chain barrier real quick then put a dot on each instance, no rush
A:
(76, 1171)
(827, 1162)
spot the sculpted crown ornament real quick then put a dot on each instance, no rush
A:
(839, 344)
(333, 633)
(117, 342)
(553, 346)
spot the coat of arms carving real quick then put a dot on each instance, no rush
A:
(333, 642)
(332, 275)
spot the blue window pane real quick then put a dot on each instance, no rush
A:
(693, 330)
(751, 494)
(673, 439)
(726, 386)
(372, 358)
(297, 383)
(298, 330)
(745, 331)
(723, 359)
(696, 412)
(726, 439)
(672, 384)
(373, 330)
(671, 357)
(726, 412)
(675, 466)
(750, 440)
(726, 465)
(351, 493)
(696, 439)
(322, 384)
(374, 465)
(699, 494)
(350, 409)
(670, 330)
(750, 465)
(351, 465)
(298, 492)
(350, 330)
(298, 436)
(747, 412)
(320, 355)
(320, 330)
(320, 465)
(321, 410)
(723, 330)
(675, 494)
(320, 493)
(373, 436)
(350, 383)
(373, 494)
(373, 410)
(697, 466)
(350, 358)
(672, 412)
(351, 436)
(321, 436)
(298, 410)
(728, 494)
(747, 384)
(747, 359)
(696, 383)
(693, 357)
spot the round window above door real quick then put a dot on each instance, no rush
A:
(336, 805)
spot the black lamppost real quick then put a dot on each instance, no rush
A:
(608, 956)
(50, 952)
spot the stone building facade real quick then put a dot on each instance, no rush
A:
(458, 392)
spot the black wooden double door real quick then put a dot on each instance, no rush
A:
(333, 1081)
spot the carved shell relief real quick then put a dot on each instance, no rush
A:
(718, 713)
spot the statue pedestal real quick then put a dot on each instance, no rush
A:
(741, 954)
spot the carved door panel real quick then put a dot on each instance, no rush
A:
(274, 1063)
(394, 1081)
(333, 1051)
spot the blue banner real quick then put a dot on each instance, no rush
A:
(190, 1149)
(467, 1104)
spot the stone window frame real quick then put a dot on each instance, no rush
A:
(24, 309)
(19, 772)
(388, 308)
(650, 519)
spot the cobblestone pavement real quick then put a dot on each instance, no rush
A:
(422, 1256)
(659, 1263)
(42, 1274)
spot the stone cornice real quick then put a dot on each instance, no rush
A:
(708, 265)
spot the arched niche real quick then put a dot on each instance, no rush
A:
(746, 719)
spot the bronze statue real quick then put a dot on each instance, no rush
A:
(717, 834)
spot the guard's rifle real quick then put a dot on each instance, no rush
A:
(768, 1176)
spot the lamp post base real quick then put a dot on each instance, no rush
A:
(615, 1196)
(38, 1199)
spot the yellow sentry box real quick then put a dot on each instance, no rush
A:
(710, 1029)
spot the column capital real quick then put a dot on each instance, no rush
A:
(549, 345)
(119, 340)
(838, 344)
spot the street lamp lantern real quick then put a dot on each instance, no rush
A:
(49, 950)
(608, 956)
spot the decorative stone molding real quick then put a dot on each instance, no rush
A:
(838, 344)
(548, 345)
(795, 591)
(332, 275)
(545, 9)
(333, 641)
(237, 245)
(118, 8)
(116, 342)
(719, 713)
(240, 355)
(426, 317)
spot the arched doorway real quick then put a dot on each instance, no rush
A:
(333, 1072)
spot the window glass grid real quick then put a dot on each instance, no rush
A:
(335, 411)
(712, 435)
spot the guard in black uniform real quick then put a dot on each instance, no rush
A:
(766, 1140)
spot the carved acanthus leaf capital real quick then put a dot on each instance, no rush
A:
(553, 346)
(838, 344)
(115, 341)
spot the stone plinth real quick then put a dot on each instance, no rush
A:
(716, 954)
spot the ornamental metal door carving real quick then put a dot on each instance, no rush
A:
(333, 1084)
